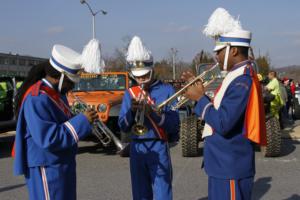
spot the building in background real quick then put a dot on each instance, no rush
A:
(17, 65)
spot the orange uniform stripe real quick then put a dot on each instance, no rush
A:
(232, 190)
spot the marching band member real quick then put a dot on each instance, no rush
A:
(47, 133)
(235, 118)
(150, 162)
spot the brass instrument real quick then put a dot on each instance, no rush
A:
(100, 130)
(139, 128)
(207, 77)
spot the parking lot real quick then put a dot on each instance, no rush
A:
(103, 175)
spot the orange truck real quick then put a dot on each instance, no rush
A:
(104, 93)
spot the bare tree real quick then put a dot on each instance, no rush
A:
(117, 62)
(264, 64)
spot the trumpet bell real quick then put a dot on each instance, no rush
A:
(139, 129)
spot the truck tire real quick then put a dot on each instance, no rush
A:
(273, 147)
(189, 136)
(296, 110)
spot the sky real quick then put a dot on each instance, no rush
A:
(32, 27)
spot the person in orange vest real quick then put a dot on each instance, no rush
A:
(47, 133)
(234, 119)
(151, 132)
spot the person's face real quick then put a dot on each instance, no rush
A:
(270, 76)
(142, 79)
(67, 85)
(220, 55)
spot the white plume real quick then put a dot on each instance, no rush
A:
(221, 22)
(91, 57)
(137, 51)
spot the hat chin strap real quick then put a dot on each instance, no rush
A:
(61, 80)
(226, 60)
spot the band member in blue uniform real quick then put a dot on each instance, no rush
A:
(47, 133)
(150, 162)
(235, 117)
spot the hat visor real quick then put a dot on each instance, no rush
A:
(140, 72)
(219, 47)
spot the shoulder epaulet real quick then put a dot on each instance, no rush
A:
(249, 70)
(36, 88)
(134, 91)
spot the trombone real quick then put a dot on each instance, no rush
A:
(139, 128)
(207, 77)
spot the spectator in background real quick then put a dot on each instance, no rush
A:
(286, 83)
(283, 115)
(293, 87)
(274, 88)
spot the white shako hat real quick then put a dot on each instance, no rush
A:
(67, 61)
(139, 58)
(226, 31)
(235, 38)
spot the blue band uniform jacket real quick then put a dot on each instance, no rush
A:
(228, 154)
(168, 120)
(46, 145)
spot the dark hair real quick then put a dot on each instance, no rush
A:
(274, 73)
(51, 71)
(36, 73)
(244, 51)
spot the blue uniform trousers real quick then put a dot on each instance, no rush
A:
(52, 182)
(151, 170)
(225, 189)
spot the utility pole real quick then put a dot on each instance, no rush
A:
(174, 53)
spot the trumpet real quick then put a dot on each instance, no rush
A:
(139, 128)
(207, 77)
(100, 130)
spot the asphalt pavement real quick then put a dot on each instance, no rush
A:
(103, 175)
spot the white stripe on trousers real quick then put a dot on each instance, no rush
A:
(45, 183)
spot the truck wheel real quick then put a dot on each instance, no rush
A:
(273, 147)
(296, 110)
(189, 136)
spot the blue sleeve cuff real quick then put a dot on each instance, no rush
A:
(202, 105)
(79, 126)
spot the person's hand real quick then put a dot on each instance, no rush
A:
(195, 91)
(148, 109)
(135, 105)
(91, 115)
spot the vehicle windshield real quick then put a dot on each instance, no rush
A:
(103, 82)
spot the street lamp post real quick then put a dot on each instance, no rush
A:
(93, 14)
(174, 52)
